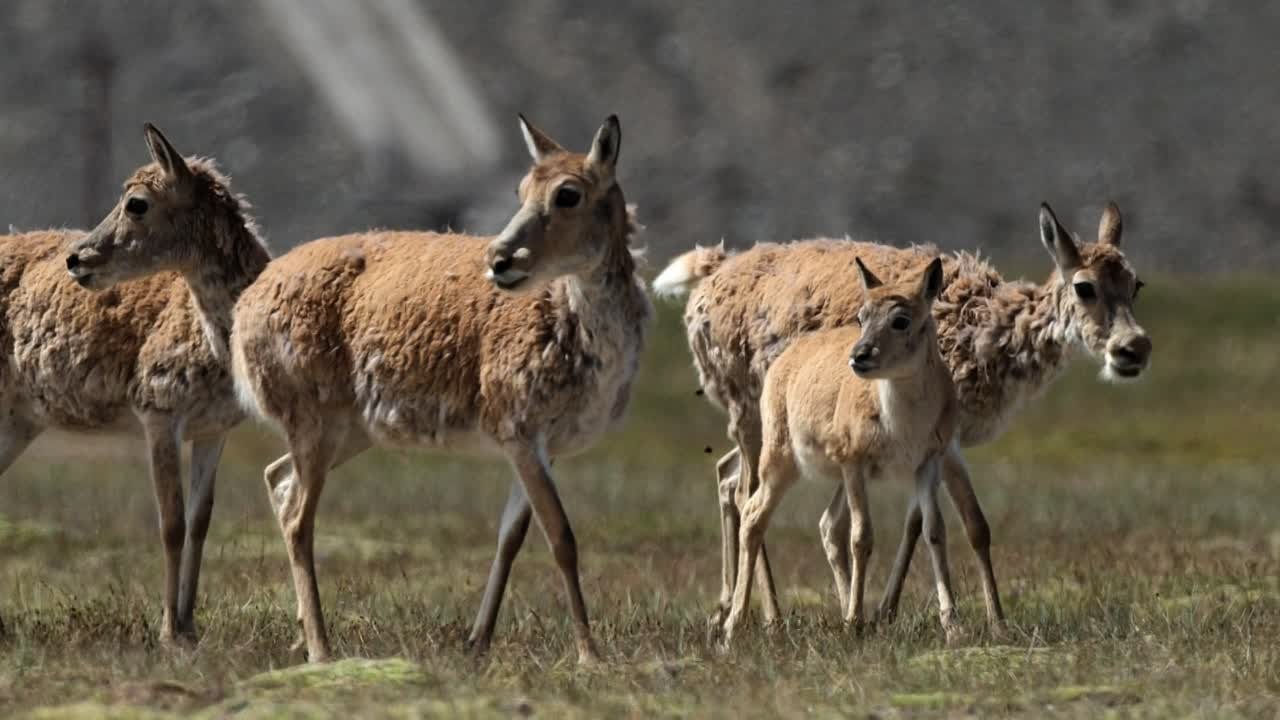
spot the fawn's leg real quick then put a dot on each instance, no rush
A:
(164, 453)
(205, 453)
(777, 474)
(935, 534)
(956, 476)
(911, 530)
(833, 529)
(859, 540)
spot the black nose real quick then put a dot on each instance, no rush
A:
(501, 265)
(72, 261)
(1136, 351)
(861, 354)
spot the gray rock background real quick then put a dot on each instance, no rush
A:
(943, 122)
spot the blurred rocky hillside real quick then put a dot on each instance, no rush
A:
(939, 121)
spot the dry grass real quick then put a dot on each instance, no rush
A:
(1135, 537)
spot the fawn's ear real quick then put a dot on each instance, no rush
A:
(931, 281)
(540, 145)
(1062, 248)
(1109, 226)
(869, 279)
(603, 158)
(163, 152)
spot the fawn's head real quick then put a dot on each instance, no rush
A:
(1098, 289)
(897, 323)
(167, 208)
(571, 211)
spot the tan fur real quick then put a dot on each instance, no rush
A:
(1004, 341)
(398, 338)
(894, 418)
(134, 355)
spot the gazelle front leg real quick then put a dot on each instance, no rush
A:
(834, 529)
(511, 533)
(164, 455)
(935, 534)
(530, 462)
(911, 530)
(860, 542)
(205, 453)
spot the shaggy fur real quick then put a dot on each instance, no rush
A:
(894, 418)
(1004, 341)
(136, 355)
(398, 338)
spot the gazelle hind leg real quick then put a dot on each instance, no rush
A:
(911, 529)
(960, 487)
(935, 534)
(833, 529)
(777, 474)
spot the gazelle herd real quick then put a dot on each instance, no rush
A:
(836, 359)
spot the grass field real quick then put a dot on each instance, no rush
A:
(1135, 529)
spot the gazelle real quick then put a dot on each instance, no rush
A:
(1005, 342)
(522, 345)
(892, 417)
(138, 353)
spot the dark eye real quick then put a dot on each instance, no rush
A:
(136, 206)
(900, 323)
(567, 197)
(1086, 291)
(1137, 288)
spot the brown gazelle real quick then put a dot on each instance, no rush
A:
(523, 345)
(144, 355)
(892, 417)
(1005, 342)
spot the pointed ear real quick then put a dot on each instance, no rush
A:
(931, 281)
(1110, 226)
(540, 145)
(1058, 241)
(169, 159)
(869, 279)
(603, 157)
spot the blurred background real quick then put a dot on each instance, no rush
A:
(945, 122)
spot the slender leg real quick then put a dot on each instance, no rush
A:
(910, 534)
(935, 534)
(777, 473)
(282, 481)
(745, 431)
(164, 448)
(312, 449)
(960, 488)
(534, 470)
(205, 452)
(834, 530)
(511, 534)
(860, 542)
(727, 476)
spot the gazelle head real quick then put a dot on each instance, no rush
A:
(569, 205)
(897, 323)
(150, 228)
(1099, 289)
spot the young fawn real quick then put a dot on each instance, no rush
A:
(893, 416)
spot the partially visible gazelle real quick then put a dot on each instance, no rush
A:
(522, 345)
(891, 417)
(1005, 342)
(138, 354)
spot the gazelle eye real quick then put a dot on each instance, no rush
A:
(567, 197)
(1137, 288)
(136, 206)
(1086, 292)
(900, 323)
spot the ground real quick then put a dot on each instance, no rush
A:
(1135, 539)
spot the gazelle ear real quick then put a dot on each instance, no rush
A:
(1109, 226)
(540, 145)
(163, 152)
(931, 281)
(869, 279)
(603, 158)
(1058, 242)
